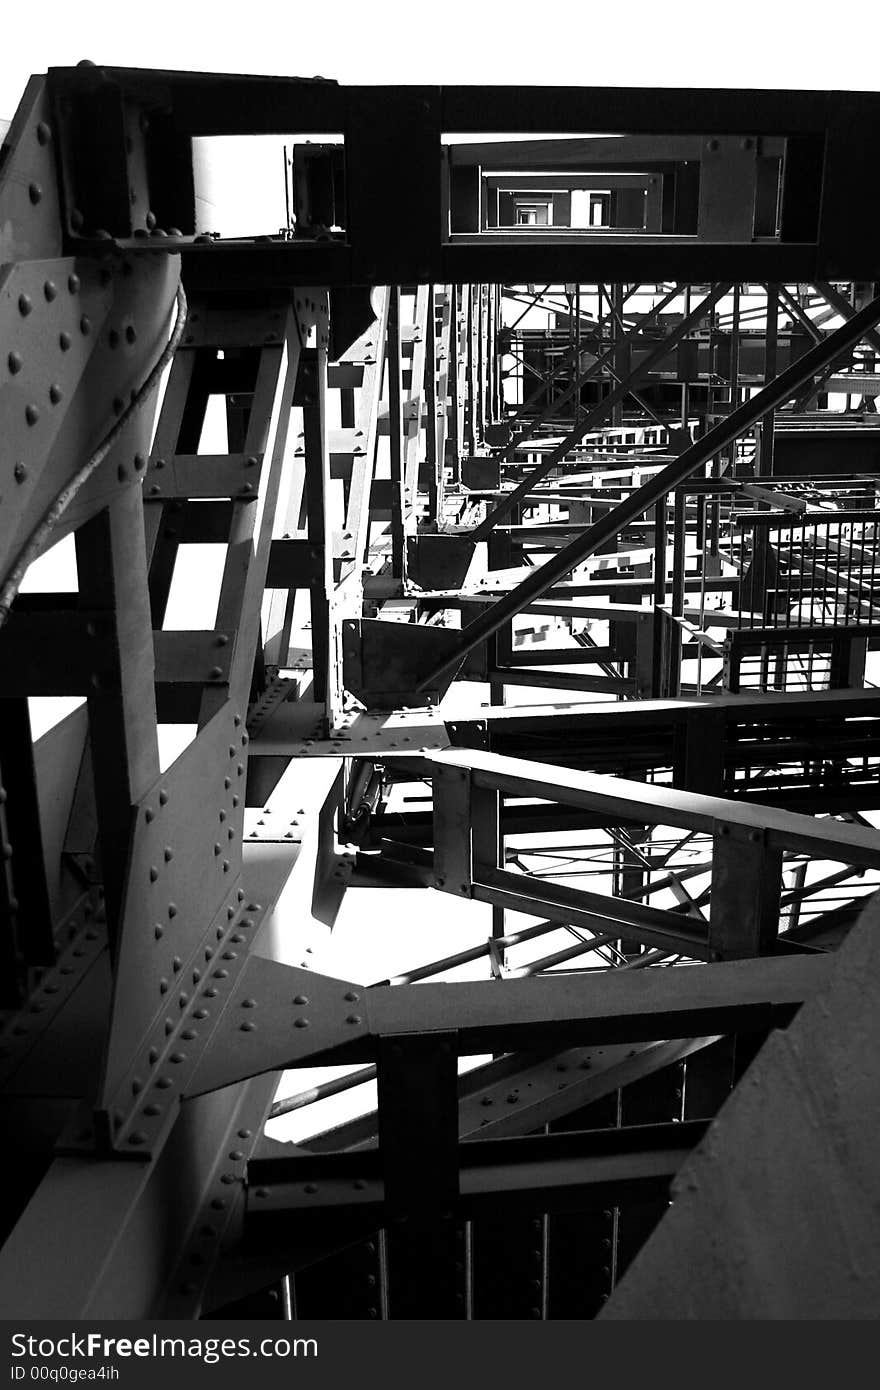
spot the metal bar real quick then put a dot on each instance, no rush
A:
(334, 1087)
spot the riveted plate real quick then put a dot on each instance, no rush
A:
(23, 1031)
(293, 730)
(184, 867)
(279, 1016)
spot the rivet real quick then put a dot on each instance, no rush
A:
(154, 873)
(14, 363)
(177, 1057)
(55, 393)
(163, 798)
(353, 1018)
(31, 414)
(44, 134)
(351, 997)
(73, 282)
(152, 1110)
(19, 472)
(301, 1023)
(300, 999)
(247, 1026)
(138, 1137)
(50, 290)
(169, 854)
(85, 325)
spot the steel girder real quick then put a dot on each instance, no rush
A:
(157, 943)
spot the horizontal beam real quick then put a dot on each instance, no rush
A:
(579, 1168)
(617, 1006)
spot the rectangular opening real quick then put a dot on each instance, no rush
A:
(287, 186)
(737, 187)
(195, 588)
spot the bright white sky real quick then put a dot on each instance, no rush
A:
(756, 43)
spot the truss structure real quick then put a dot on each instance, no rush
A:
(541, 474)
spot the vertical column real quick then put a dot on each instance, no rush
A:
(395, 430)
(111, 562)
(310, 392)
(765, 452)
(24, 835)
(488, 849)
(418, 1140)
(431, 455)
(620, 348)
